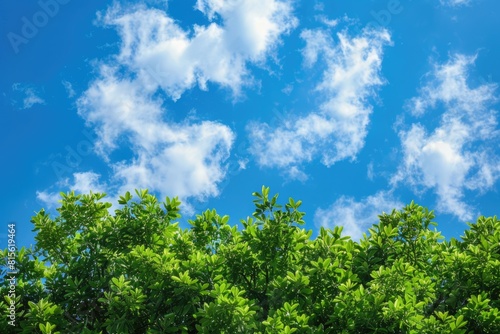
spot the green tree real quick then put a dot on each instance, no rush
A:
(134, 270)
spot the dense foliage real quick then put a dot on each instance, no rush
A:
(136, 271)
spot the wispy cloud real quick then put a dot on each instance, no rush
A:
(455, 3)
(28, 95)
(457, 154)
(69, 88)
(338, 129)
(356, 217)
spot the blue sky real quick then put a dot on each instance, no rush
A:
(354, 107)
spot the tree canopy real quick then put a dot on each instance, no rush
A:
(136, 271)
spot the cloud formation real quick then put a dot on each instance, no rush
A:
(172, 159)
(455, 3)
(338, 129)
(69, 88)
(356, 217)
(158, 59)
(82, 183)
(457, 154)
(28, 95)
(164, 54)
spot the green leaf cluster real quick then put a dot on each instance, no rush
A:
(134, 270)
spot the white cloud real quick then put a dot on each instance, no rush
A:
(123, 105)
(296, 174)
(49, 200)
(455, 3)
(370, 174)
(448, 85)
(69, 88)
(356, 217)
(185, 160)
(31, 99)
(82, 183)
(456, 155)
(164, 54)
(338, 129)
(326, 21)
(85, 182)
(242, 164)
(29, 95)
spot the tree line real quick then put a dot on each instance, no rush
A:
(136, 271)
